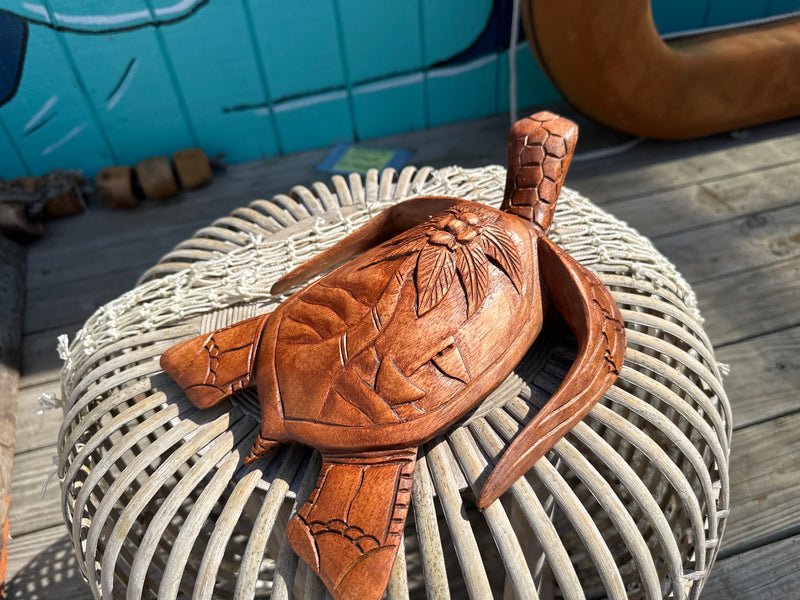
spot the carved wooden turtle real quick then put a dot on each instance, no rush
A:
(442, 300)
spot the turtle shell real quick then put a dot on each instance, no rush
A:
(404, 337)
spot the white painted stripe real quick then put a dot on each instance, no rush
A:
(37, 9)
(180, 7)
(261, 112)
(310, 101)
(129, 18)
(120, 19)
(388, 84)
(123, 89)
(465, 68)
(75, 131)
(41, 112)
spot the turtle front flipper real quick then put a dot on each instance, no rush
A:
(350, 528)
(212, 366)
(391, 222)
(592, 315)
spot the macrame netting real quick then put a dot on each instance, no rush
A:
(630, 504)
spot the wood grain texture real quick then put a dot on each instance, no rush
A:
(711, 200)
(762, 238)
(730, 308)
(771, 571)
(400, 342)
(31, 511)
(765, 482)
(765, 376)
(42, 566)
(36, 428)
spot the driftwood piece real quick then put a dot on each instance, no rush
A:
(115, 187)
(156, 178)
(192, 168)
(401, 342)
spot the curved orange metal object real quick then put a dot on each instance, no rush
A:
(608, 60)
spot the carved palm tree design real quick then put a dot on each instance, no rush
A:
(458, 244)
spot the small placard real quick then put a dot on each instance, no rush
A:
(347, 158)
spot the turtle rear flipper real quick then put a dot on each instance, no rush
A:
(589, 310)
(391, 222)
(212, 366)
(350, 528)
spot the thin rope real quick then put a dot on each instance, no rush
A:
(512, 62)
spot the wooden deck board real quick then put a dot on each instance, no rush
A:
(30, 510)
(710, 201)
(745, 305)
(765, 376)
(765, 483)
(771, 572)
(43, 566)
(724, 209)
(720, 249)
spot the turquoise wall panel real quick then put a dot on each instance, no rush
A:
(776, 7)
(390, 106)
(298, 45)
(462, 92)
(11, 165)
(314, 121)
(451, 26)
(679, 15)
(533, 87)
(52, 122)
(381, 38)
(219, 79)
(130, 86)
(723, 12)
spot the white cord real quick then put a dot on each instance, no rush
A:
(609, 151)
(512, 62)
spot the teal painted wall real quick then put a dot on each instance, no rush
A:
(90, 83)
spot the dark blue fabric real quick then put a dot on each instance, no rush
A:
(13, 39)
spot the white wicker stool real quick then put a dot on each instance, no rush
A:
(630, 504)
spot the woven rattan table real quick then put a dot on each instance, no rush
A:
(630, 504)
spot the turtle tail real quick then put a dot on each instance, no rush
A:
(540, 149)
(213, 366)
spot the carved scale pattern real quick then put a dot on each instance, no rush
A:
(540, 150)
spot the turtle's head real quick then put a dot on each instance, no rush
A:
(540, 149)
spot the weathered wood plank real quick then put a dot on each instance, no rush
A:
(101, 256)
(745, 305)
(40, 361)
(772, 571)
(718, 249)
(42, 566)
(662, 213)
(60, 304)
(37, 428)
(765, 376)
(29, 510)
(765, 482)
(655, 166)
